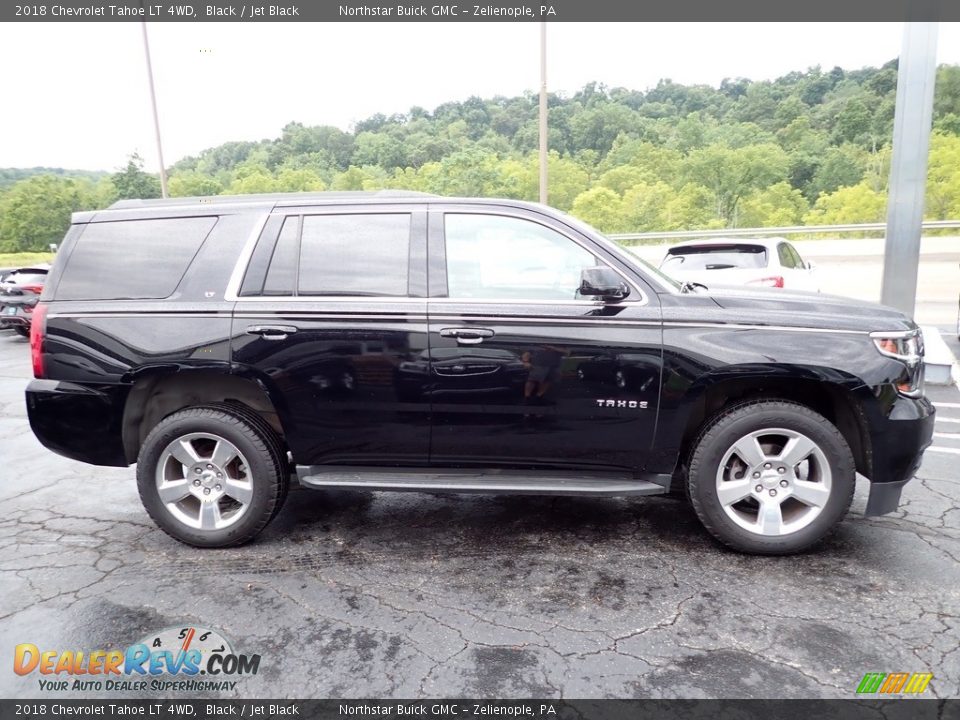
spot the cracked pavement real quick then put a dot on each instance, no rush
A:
(356, 594)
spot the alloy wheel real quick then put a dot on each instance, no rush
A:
(773, 481)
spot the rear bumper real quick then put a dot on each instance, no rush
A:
(21, 319)
(79, 422)
(898, 444)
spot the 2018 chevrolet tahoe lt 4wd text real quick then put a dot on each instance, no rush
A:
(394, 341)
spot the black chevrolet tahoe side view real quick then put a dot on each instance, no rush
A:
(399, 341)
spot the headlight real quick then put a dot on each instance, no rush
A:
(907, 347)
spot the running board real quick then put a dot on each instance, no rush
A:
(476, 481)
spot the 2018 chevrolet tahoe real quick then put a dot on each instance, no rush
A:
(394, 341)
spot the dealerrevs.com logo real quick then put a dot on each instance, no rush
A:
(190, 659)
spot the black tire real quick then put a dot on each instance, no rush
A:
(734, 423)
(258, 445)
(277, 447)
(22, 331)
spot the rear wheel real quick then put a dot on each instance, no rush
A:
(211, 477)
(22, 331)
(770, 477)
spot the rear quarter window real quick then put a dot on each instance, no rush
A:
(132, 259)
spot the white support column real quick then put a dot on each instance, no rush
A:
(908, 168)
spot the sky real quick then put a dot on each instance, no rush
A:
(75, 94)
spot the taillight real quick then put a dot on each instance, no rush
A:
(35, 289)
(774, 281)
(38, 329)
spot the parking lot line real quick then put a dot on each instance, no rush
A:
(952, 451)
(950, 420)
(946, 405)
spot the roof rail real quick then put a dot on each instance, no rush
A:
(267, 197)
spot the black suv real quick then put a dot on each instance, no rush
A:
(394, 341)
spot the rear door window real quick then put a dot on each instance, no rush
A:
(339, 255)
(132, 259)
(355, 255)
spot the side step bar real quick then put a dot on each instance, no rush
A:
(477, 481)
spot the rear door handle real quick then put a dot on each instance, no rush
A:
(271, 332)
(467, 336)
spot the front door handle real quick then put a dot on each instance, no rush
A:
(467, 336)
(271, 332)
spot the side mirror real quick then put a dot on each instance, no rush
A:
(603, 282)
(810, 265)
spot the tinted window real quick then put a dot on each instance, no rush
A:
(139, 259)
(495, 257)
(714, 257)
(786, 259)
(797, 260)
(282, 275)
(354, 254)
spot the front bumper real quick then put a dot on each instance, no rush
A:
(898, 442)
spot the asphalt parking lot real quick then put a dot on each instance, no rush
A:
(353, 594)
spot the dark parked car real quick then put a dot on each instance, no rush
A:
(19, 292)
(407, 342)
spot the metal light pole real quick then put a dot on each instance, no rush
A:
(543, 113)
(153, 103)
(913, 117)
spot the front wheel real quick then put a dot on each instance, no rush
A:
(770, 477)
(210, 477)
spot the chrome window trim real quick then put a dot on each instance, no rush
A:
(240, 267)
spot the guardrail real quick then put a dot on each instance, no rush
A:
(774, 231)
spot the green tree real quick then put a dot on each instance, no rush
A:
(691, 207)
(943, 178)
(847, 205)
(776, 206)
(840, 166)
(299, 180)
(620, 179)
(194, 184)
(368, 177)
(730, 173)
(36, 212)
(644, 206)
(946, 98)
(601, 207)
(133, 183)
